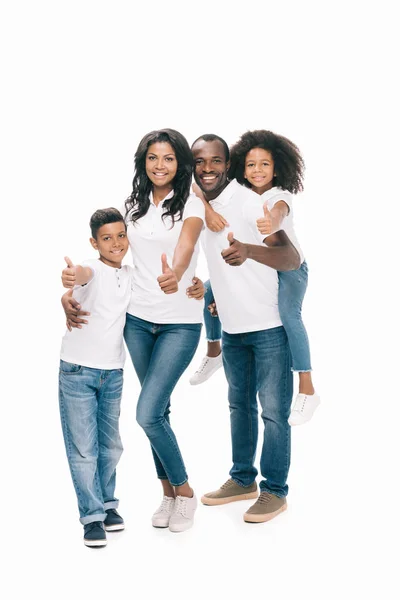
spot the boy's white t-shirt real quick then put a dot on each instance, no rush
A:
(99, 344)
(149, 238)
(270, 198)
(246, 296)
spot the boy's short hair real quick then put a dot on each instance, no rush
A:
(103, 216)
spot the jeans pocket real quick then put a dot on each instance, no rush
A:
(69, 368)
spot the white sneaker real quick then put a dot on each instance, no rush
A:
(183, 515)
(303, 408)
(207, 367)
(163, 514)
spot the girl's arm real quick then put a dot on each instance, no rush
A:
(273, 218)
(214, 221)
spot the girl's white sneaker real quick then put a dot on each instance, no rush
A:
(183, 516)
(303, 408)
(163, 513)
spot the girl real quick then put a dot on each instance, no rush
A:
(272, 166)
(163, 226)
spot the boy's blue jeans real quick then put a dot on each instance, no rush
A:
(292, 288)
(259, 362)
(90, 402)
(160, 354)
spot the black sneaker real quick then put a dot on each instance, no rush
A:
(94, 534)
(113, 521)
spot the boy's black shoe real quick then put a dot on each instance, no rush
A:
(94, 534)
(113, 521)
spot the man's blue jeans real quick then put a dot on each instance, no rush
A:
(259, 362)
(160, 354)
(90, 401)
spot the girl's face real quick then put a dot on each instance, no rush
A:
(259, 170)
(161, 164)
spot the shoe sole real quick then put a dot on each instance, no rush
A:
(218, 501)
(160, 526)
(95, 543)
(208, 376)
(180, 530)
(249, 518)
(119, 527)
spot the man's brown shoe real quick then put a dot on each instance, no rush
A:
(266, 508)
(230, 492)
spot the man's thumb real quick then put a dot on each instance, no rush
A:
(69, 262)
(231, 239)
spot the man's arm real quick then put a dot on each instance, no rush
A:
(277, 253)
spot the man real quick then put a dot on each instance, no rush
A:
(256, 354)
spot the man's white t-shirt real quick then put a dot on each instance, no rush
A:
(99, 344)
(270, 198)
(149, 238)
(246, 296)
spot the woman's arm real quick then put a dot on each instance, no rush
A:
(73, 311)
(278, 252)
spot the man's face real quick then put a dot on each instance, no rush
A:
(210, 167)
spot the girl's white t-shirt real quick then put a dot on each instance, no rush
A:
(99, 344)
(149, 238)
(271, 197)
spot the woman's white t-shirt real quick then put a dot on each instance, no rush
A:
(149, 238)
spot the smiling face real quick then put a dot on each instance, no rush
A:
(112, 243)
(161, 164)
(259, 170)
(210, 167)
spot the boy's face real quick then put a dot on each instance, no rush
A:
(111, 243)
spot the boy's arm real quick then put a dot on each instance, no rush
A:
(277, 253)
(273, 218)
(75, 274)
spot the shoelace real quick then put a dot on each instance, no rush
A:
(227, 484)
(203, 364)
(264, 498)
(180, 506)
(112, 511)
(93, 525)
(166, 504)
(300, 404)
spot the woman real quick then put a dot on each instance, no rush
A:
(163, 324)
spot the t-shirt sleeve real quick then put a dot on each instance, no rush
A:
(252, 211)
(283, 195)
(194, 207)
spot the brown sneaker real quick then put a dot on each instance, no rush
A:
(266, 508)
(230, 492)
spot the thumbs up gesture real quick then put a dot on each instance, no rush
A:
(265, 225)
(68, 276)
(237, 252)
(168, 281)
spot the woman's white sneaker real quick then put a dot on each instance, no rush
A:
(208, 366)
(303, 408)
(183, 516)
(163, 514)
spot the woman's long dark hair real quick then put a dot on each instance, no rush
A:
(139, 199)
(288, 162)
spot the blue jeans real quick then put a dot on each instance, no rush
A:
(90, 401)
(160, 354)
(292, 288)
(259, 362)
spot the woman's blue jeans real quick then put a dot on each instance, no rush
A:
(292, 289)
(160, 354)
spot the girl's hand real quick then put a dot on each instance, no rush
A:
(73, 311)
(197, 290)
(214, 221)
(264, 225)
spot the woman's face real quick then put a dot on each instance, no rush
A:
(259, 169)
(161, 164)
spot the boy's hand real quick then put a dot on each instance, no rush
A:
(236, 254)
(168, 281)
(73, 311)
(269, 223)
(68, 276)
(214, 221)
(197, 290)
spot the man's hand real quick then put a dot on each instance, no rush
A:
(68, 276)
(73, 311)
(168, 281)
(214, 221)
(197, 290)
(236, 254)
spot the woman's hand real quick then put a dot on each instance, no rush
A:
(197, 290)
(214, 221)
(73, 311)
(168, 281)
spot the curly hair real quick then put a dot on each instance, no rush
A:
(288, 162)
(141, 186)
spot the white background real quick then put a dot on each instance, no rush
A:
(82, 83)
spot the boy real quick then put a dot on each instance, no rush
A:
(91, 375)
